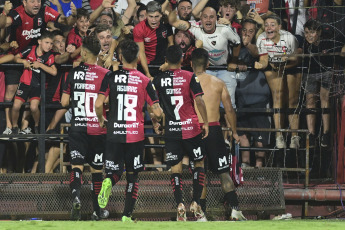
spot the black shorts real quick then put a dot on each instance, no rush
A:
(86, 148)
(217, 153)
(291, 71)
(177, 148)
(12, 76)
(118, 154)
(27, 91)
(255, 121)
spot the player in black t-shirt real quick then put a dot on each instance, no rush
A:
(128, 89)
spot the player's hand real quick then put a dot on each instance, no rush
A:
(223, 21)
(164, 67)
(103, 122)
(107, 4)
(258, 65)
(73, 9)
(149, 76)
(205, 129)
(36, 65)
(14, 44)
(70, 48)
(236, 137)
(127, 29)
(7, 7)
(232, 67)
(27, 64)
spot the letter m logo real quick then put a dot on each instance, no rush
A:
(137, 160)
(98, 158)
(197, 152)
(222, 161)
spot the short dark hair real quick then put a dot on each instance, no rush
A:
(312, 24)
(46, 34)
(101, 27)
(249, 20)
(200, 58)
(153, 6)
(91, 43)
(174, 54)
(141, 8)
(275, 17)
(81, 12)
(129, 50)
(57, 33)
(234, 3)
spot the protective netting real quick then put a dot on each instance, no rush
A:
(48, 195)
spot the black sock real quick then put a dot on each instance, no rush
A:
(114, 178)
(176, 182)
(203, 205)
(97, 179)
(232, 200)
(198, 183)
(75, 182)
(131, 193)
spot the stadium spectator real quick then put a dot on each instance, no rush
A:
(215, 39)
(217, 154)
(177, 89)
(86, 136)
(35, 59)
(25, 23)
(252, 92)
(281, 73)
(153, 37)
(228, 10)
(64, 7)
(128, 89)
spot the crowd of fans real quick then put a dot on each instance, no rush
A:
(256, 48)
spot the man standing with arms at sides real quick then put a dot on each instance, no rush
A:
(177, 90)
(86, 136)
(215, 92)
(128, 89)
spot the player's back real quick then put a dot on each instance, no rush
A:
(176, 90)
(128, 91)
(212, 88)
(83, 84)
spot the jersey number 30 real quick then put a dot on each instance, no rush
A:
(87, 99)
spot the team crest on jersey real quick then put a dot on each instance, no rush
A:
(164, 34)
(39, 20)
(197, 79)
(213, 43)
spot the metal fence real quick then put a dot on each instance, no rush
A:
(48, 196)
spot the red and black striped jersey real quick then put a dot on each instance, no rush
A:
(83, 84)
(155, 41)
(128, 89)
(33, 76)
(26, 29)
(75, 39)
(177, 90)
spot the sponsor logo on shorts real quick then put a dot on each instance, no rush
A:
(111, 165)
(137, 163)
(75, 154)
(98, 158)
(171, 157)
(197, 153)
(19, 92)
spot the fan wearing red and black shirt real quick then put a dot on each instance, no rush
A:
(128, 90)
(86, 136)
(26, 23)
(177, 90)
(35, 59)
(153, 37)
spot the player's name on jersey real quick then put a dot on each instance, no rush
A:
(127, 88)
(173, 91)
(121, 78)
(84, 86)
(133, 125)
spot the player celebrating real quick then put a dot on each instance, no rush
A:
(87, 138)
(177, 90)
(215, 92)
(128, 89)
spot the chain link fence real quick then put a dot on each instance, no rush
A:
(48, 196)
